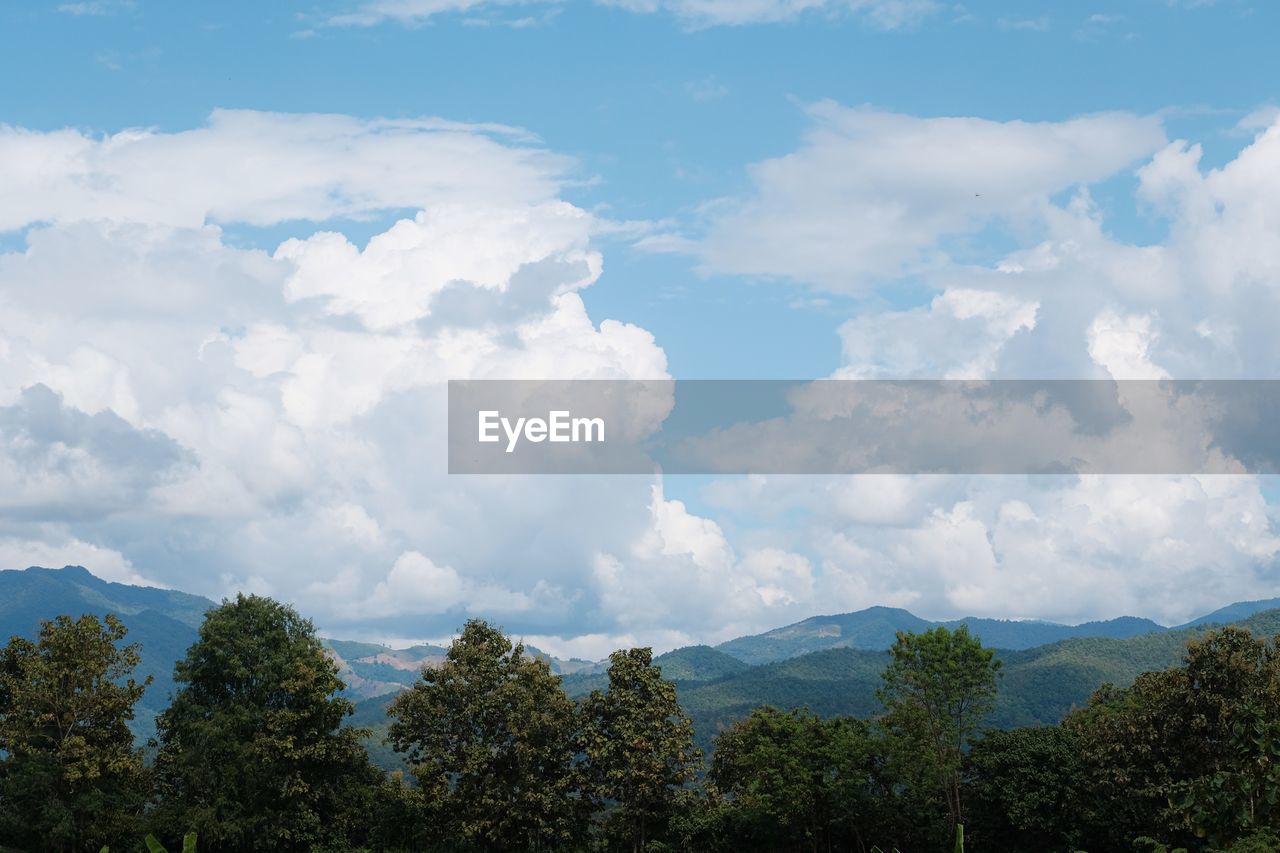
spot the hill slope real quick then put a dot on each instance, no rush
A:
(165, 623)
(839, 674)
(1038, 685)
(1234, 612)
(162, 621)
(876, 628)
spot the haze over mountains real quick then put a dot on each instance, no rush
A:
(830, 663)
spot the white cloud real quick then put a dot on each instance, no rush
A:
(1069, 549)
(1073, 301)
(106, 563)
(1122, 345)
(871, 195)
(416, 585)
(278, 411)
(682, 571)
(96, 8)
(263, 168)
(958, 336)
(394, 279)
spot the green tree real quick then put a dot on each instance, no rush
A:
(792, 781)
(1024, 787)
(938, 688)
(490, 736)
(253, 754)
(638, 746)
(768, 769)
(70, 778)
(1191, 754)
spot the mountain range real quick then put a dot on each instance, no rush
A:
(832, 664)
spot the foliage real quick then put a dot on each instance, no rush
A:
(938, 688)
(793, 781)
(252, 753)
(490, 736)
(70, 778)
(1187, 754)
(638, 747)
(1023, 788)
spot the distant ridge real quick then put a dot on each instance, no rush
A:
(164, 622)
(1234, 612)
(876, 627)
(831, 664)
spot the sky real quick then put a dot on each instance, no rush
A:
(243, 246)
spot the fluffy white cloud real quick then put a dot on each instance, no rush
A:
(280, 411)
(107, 564)
(958, 336)
(1070, 549)
(682, 571)
(871, 195)
(1072, 301)
(264, 168)
(394, 279)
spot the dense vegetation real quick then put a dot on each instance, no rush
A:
(256, 749)
(716, 689)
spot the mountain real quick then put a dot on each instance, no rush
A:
(163, 622)
(876, 628)
(1234, 612)
(1038, 685)
(831, 664)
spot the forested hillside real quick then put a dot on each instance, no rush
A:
(259, 749)
(876, 627)
(716, 685)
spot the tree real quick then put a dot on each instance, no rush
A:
(792, 781)
(768, 767)
(1189, 753)
(938, 688)
(1024, 788)
(638, 746)
(490, 737)
(70, 778)
(253, 754)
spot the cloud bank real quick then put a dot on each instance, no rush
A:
(208, 379)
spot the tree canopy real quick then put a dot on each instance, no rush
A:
(252, 751)
(491, 738)
(938, 688)
(70, 777)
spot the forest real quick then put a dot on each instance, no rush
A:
(256, 751)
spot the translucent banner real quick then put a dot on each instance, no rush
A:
(861, 427)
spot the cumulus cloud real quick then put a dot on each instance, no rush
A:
(274, 409)
(263, 168)
(60, 461)
(1064, 548)
(959, 335)
(107, 564)
(681, 570)
(394, 279)
(277, 408)
(871, 195)
(1071, 301)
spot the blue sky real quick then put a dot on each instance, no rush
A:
(661, 116)
(732, 167)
